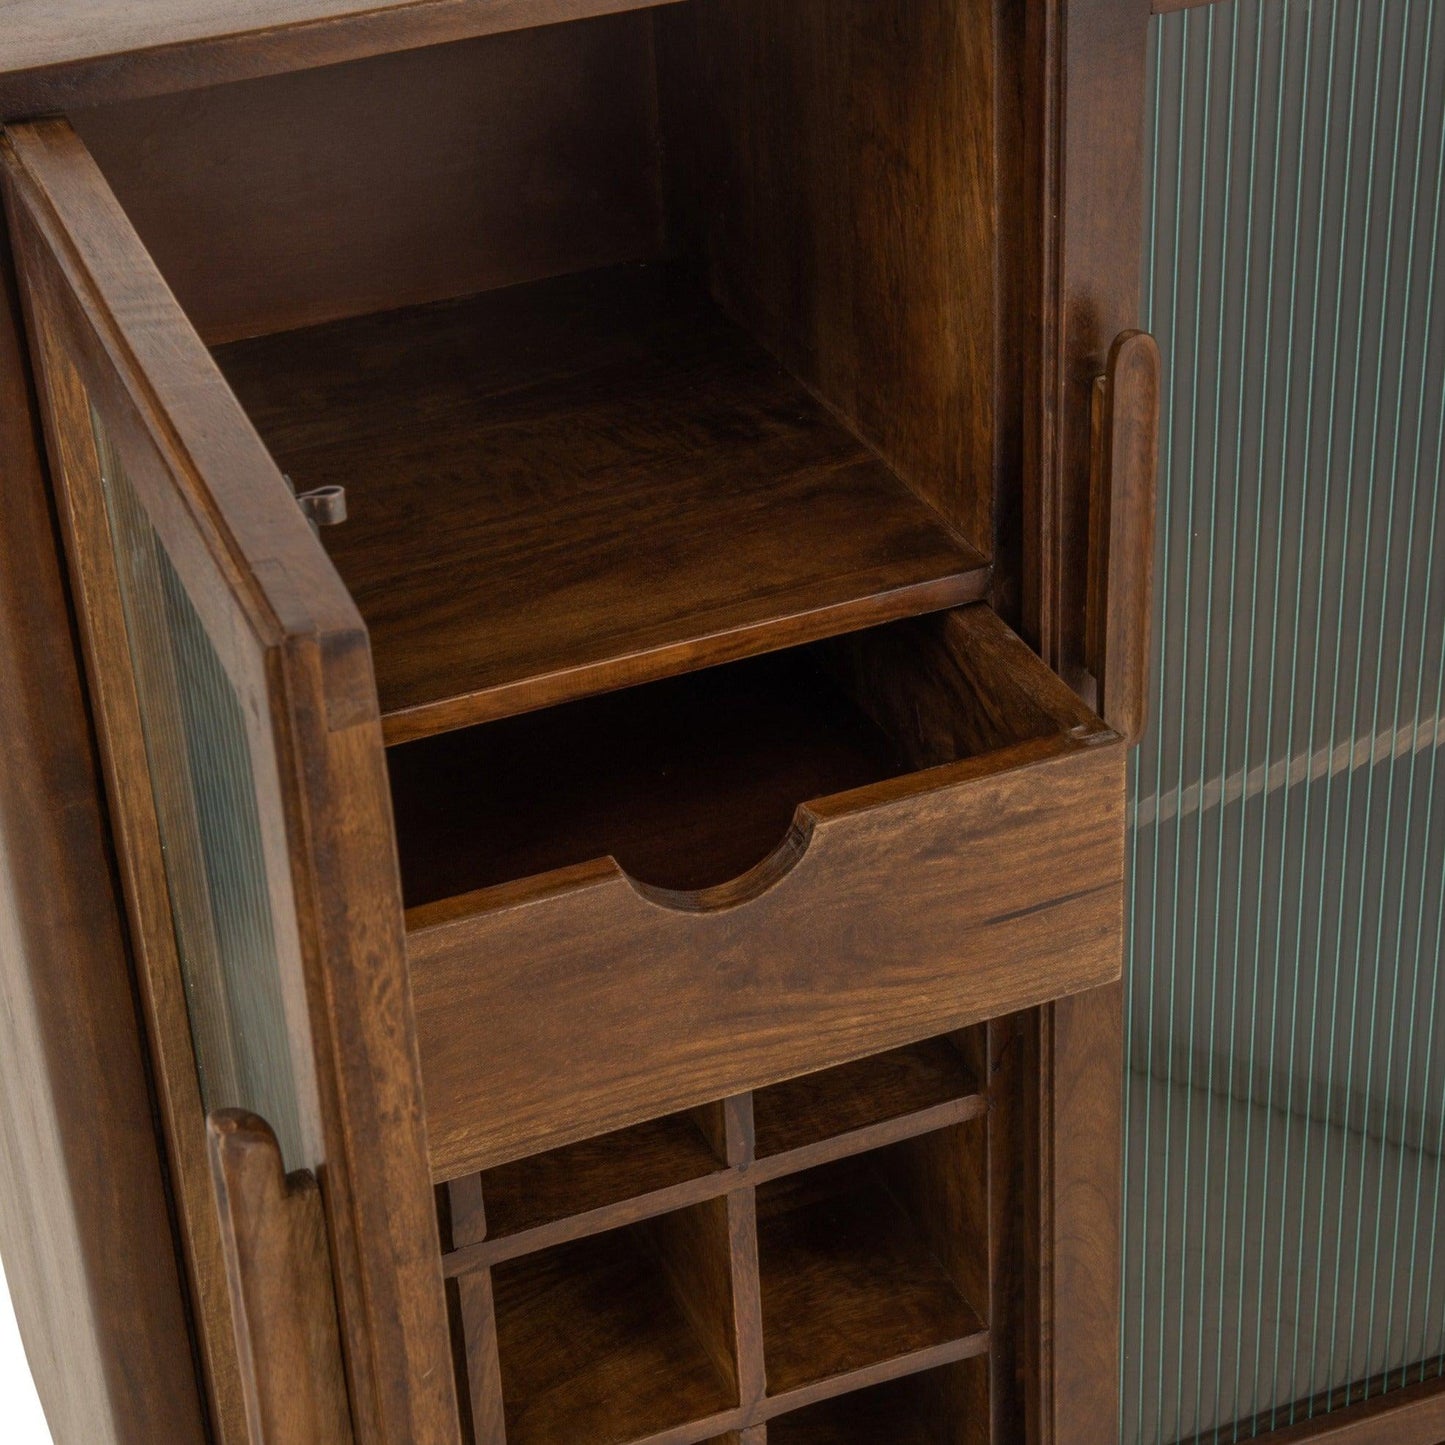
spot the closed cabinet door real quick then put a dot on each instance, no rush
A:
(232, 682)
(1284, 1195)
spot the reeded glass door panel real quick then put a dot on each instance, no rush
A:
(203, 781)
(1285, 1091)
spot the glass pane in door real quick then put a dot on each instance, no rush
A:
(1285, 1087)
(200, 762)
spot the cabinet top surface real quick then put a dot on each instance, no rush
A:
(60, 55)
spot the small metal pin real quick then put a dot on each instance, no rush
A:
(321, 506)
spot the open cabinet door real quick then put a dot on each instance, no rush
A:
(231, 678)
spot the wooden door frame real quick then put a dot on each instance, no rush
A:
(86, 1220)
(272, 602)
(1085, 107)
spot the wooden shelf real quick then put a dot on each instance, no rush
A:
(849, 1283)
(835, 1103)
(582, 484)
(531, 1193)
(686, 782)
(595, 1349)
(943, 1407)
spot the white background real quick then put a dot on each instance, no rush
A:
(21, 1422)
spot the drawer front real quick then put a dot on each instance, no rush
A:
(580, 1001)
(243, 750)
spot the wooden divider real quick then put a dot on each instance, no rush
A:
(747, 1262)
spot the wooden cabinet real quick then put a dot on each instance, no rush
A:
(543, 494)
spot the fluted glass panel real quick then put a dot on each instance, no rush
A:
(203, 782)
(1285, 1087)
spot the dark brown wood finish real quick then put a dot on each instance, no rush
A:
(52, 63)
(1121, 520)
(842, 1101)
(942, 1407)
(874, 1268)
(595, 1185)
(1090, 56)
(818, 955)
(687, 783)
(597, 1344)
(850, 183)
(75, 465)
(852, 1292)
(472, 1307)
(595, 1173)
(86, 1227)
(279, 1268)
(834, 168)
(263, 588)
(580, 485)
(484, 164)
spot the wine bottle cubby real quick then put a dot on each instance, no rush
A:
(723, 1273)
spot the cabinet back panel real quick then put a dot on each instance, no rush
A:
(276, 203)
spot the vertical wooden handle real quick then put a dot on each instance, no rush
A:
(1121, 531)
(278, 1267)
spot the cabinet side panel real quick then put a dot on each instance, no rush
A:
(85, 1228)
(833, 164)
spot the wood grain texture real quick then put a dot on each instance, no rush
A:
(131, 806)
(279, 1268)
(1121, 557)
(840, 1101)
(1082, 1160)
(728, 1127)
(573, 1003)
(278, 608)
(594, 1173)
(1091, 289)
(687, 783)
(942, 1179)
(472, 1311)
(60, 57)
(954, 685)
(1013, 1305)
(942, 1407)
(596, 1346)
(86, 1230)
(503, 456)
(704, 1254)
(1090, 58)
(625, 1208)
(478, 1364)
(564, 1005)
(833, 164)
(403, 179)
(849, 1282)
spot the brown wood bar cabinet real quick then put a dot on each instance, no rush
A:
(576, 583)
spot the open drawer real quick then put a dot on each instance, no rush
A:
(661, 928)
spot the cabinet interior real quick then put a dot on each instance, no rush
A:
(821, 1292)
(657, 354)
(638, 342)
(692, 781)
